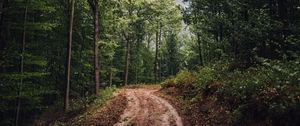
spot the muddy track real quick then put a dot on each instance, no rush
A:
(146, 109)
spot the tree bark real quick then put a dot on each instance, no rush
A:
(156, 58)
(111, 74)
(22, 66)
(159, 54)
(127, 47)
(110, 78)
(69, 54)
(95, 8)
(126, 61)
(97, 60)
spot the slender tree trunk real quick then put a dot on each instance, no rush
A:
(97, 60)
(22, 66)
(110, 77)
(159, 54)
(137, 51)
(156, 58)
(200, 50)
(149, 40)
(83, 85)
(201, 62)
(1, 21)
(220, 9)
(127, 49)
(235, 44)
(95, 8)
(2, 40)
(136, 75)
(96, 39)
(110, 74)
(69, 54)
(1, 13)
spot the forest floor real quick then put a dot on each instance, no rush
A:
(144, 108)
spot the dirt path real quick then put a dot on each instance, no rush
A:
(146, 109)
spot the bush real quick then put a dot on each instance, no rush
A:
(206, 76)
(268, 91)
(181, 80)
(267, 94)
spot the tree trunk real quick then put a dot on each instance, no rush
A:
(2, 40)
(126, 61)
(95, 8)
(200, 50)
(156, 58)
(69, 54)
(149, 40)
(96, 39)
(110, 77)
(136, 75)
(234, 41)
(137, 51)
(159, 54)
(22, 66)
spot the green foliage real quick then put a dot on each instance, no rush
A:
(45, 35)
(89, 108)
(242, 29)
(209, 74)
(183, 78)
(206, 76)
(104, 95)
(270, 90)
(260, 38)
(268, 93)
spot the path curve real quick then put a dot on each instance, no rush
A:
(146, 109)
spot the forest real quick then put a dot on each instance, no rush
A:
(217, 62)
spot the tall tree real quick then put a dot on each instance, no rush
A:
(2, 7)
(69, 53)
(22, 65)
(128, 38)
(94, 4)
(127, 50)
(156, 56)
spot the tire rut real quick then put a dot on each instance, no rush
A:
(146, 109)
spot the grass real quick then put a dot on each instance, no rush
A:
(78, 114)
(100, 101)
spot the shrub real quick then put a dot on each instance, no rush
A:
(267, 94)
(170, 82)
(206, 76)
(271, 90)
(181, 80)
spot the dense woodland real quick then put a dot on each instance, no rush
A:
(63, 53)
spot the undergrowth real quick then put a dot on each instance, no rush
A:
(78, 115)
(265, 94)
(103, 97)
